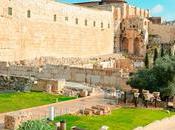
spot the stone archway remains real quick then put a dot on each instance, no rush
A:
(136, 46)
(125, 45)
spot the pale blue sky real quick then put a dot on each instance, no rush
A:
(163, 8)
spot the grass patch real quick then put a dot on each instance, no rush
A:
(120, 119)
(19, 100)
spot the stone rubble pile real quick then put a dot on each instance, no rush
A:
(71, 61)
(96, 110)
(75, 92)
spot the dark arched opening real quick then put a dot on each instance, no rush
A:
(136, 46)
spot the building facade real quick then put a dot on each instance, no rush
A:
(36, 28)
(45, 28)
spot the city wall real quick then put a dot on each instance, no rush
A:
(125, 10)
(166, 32)
(47, 28)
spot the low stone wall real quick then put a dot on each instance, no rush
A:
(164, 124)
(102, 77)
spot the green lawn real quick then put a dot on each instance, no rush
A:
(120, 119)
(17, 101)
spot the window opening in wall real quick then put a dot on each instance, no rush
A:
(108, 25)
(94, 23)
(66, 18)
(85, 22)
(55, 18)
(28, 13)
(76, 20)
(145, 23)
(101, 24)
(10, 12)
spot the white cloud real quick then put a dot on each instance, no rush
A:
(157, 9)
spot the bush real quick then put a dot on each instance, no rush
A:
(161, 77)
(35, 125)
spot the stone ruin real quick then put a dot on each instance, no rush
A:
(12, 121)
(96, 110)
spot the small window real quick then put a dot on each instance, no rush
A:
(55, 17)
(108, 25)
(94, 23)
(66, 18)
(101, 24)
(145, 23)
(10, 12)
(85, 22)
(28, 13)
(76, 20)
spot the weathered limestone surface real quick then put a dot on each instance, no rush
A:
(166, 32)
(26, 38)
(12, 121)
(164, 124)
(104, 77)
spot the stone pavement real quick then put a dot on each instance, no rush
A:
(164, 124)
(61, 108)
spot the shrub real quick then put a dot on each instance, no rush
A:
(35, 125)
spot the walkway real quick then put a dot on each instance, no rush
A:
(61, 108)
(164, 124)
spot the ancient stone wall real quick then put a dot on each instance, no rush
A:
(35, 28)
(165, 32)
(134, 36)
(127, 11)
(104, 77)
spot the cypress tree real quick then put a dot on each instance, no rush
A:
(155, 55)
(146, 61)
(170, 53)
(162, 52)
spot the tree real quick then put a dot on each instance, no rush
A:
(170, 52)
(159, 78)
(162, 52)
(155, 55)
(146, 61)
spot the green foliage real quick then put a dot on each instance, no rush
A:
(146, 61)
(35, 125)
(155, 55)
(119, 119)
(162, 53)
(170, 52)
(159, 78)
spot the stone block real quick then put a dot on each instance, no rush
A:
(12, 121)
